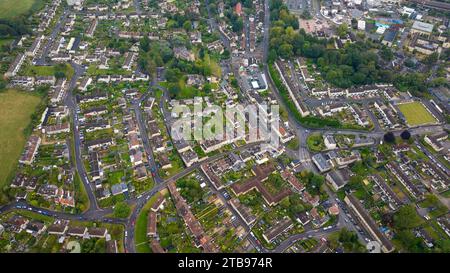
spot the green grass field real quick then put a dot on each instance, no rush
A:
(12, 8)
(32, 70)
(416, 113)
(315, 142)
(140, 230)
(15, 114)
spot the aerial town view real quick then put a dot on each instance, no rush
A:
(224, 126)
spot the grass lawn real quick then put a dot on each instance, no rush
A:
(36, 216)
(293, 144)
(12, 8)
(33, 70)
(433, 203)
(6, 41)
(315, 142)
(416, 113)
(140, 230)
(94, 71)
(15, 114)
(446, 194)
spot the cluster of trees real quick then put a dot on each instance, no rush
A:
(36, 116)
(13, 27)
(153, 54)
(405, 220)
(416, 83)
(121, 45)
(306, 15)
(389, 137)
(347, 239)
(121, 210)
(60, 70)
(93, 246)
(177, 70)
(178, 20)
(19, 25)
(309, 121)
(294, 205)
(276, 181)
(190, 189)
(280, 12)
(354, 64)
(2, 85)
(237, 23)
(313, 182)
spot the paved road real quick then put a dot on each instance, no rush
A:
(99, 216)
(51, 39)
(437, 161)
(71, 103)
(137, 6)
(145, 140)
(140, 202)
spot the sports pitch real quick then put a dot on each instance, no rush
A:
(416, 113)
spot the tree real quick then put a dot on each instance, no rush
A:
(386, 53)
(410, 242)
(354, 23)
(342, 30)
(389, 137)
(237, 25)
(187, 25)
(2, 84)
(431, 59)
(409, 63)
(413, 82)
(348, 239)
(285, 51)
(406, 218)
(100, 246)
(305, 14)
(59, 74)
(226, 54)
(405, 135)
(121, 210)
(145, 43)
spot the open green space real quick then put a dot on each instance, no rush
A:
(293, 144)
(140, 230)
(416, 113)
(13, 8)
(33, 70)
(16, 108)
(315, 142)
(446, 194)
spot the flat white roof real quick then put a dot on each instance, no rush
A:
(425, 27)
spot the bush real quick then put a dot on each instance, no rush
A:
(389, 137)
(121, 210)
(405, 135)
